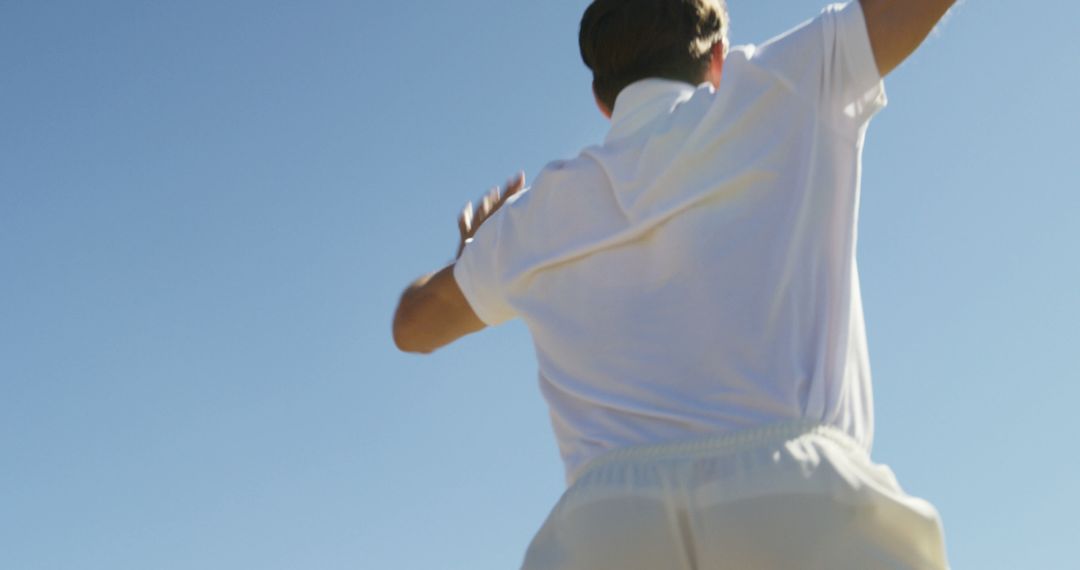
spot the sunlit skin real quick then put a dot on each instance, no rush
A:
(433, 312)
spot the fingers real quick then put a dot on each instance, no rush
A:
(471, 217)
(514, 184)
(490, 202)
(465, 220)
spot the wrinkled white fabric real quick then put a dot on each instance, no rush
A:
(695, 273)
(785, 497)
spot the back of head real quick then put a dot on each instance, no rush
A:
(623, 41)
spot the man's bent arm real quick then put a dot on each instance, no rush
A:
(897, 27)
(432, 313)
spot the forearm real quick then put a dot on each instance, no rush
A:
(432, 313)
(409, 333)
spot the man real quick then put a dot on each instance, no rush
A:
(691, 288)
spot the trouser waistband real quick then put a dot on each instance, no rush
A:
(721, 444)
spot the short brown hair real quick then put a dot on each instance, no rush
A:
(623, 41)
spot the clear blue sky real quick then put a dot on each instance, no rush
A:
(208, 210)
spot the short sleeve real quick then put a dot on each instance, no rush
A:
(830, 61)
(478, 276)
(855, 89)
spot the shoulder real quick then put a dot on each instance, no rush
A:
(555, 188)
(766, 65)
(573, 195)
(561, 177)
(808, 40)
(812, 56)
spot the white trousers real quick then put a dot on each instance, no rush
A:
(783, 497)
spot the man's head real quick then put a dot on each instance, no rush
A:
(623, 41)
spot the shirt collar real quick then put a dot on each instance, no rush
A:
(642, 101)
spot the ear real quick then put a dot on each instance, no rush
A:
(716, 64)
(601, 105)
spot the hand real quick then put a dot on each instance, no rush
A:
(470, 219)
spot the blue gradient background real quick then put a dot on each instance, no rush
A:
(209, 209)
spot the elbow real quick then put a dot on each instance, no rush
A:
(407, 337)
(406, 343)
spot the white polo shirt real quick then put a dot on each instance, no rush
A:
(695, 273)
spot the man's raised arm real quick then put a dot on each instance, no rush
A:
(433, 311)
(897, 27)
